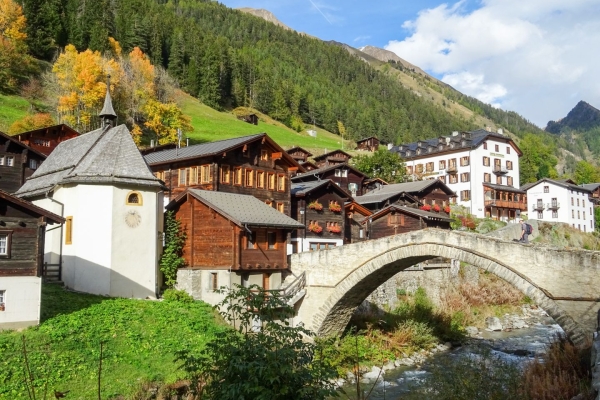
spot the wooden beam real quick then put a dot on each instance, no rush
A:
(276, 156)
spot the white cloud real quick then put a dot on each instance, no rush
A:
(536, 57)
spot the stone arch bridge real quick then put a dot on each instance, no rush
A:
(565, 283)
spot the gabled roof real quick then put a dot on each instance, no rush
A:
(212, 149)
(59, 127)
(409, 210)
(307, 164)
(590, 186)
(301, 189)
(353, 206)
(297, 148)
(365, 139)
(384, 196)
(327, 168)
(106, 155)
(414, 187)
(565, 183)
(241, 209)
(50, 216)
(504, 188)
(324, 156)
(23, 145)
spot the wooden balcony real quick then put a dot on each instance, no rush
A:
(516, 205)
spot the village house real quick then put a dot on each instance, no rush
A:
(18, 162)
(112, 205)
(46, 139)
(396, 219)
(254, 165)
(355, 215)
(299, 154)
(334, 157)
(345, 176)
(231, 239)
(561, 201)
(368, 144)
(469, 162)
(319, 206)
(22, 230)
(594, 188)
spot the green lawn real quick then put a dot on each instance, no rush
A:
(139, 339)
(12, 108)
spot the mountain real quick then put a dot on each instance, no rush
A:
(386, 56)
(582, 117)
(264, 14)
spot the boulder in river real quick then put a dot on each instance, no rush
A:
(493, 324)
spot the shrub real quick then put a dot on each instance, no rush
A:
(177, 295)
(171, 259)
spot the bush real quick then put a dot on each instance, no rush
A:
(177, 295)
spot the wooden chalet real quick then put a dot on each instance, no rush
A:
(253, 165)
(345, 176)
(249, 118)
(18, 162)
(368, 144)
(335, 157)
(595, 195)
(431, 193)
(299, 154)
(503, 200)
(228, 232)
(397, 219)
(22, 232)
(309, 166)
(45, 140)
(319, 206)
(355, 230)
(373, 183)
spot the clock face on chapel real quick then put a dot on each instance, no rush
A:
(133, 218)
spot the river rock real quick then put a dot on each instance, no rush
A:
(493, 324)
(375, 374)
(519, 324)
(471, 331)
(389, 365)
(398, 362)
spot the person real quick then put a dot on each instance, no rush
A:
(524, 234)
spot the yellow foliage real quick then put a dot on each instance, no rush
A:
(31, 122)
(12, 21)
(165, 119)
(115, 47)
(14, 60)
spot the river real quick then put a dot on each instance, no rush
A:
(517, 346)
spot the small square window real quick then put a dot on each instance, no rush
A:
(33, 164)
(205, 174)
(251, 240)
(5, 244)
(271, 240)
(264, 155)
(10, 161)
(281, 208)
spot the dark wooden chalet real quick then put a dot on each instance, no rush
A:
(309, 166)
(368, 144)
(299, 154)
(355, 230)
(253, 165)
(335, 157)
(373, 183)
(595, 195)
(18, 162)
(319, 206)
(45, 140)
(249, 118)
(431, 193)
(397, 219)
(232, 232)
(22, 232)
(345, 176)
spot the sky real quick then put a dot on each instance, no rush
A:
(536, 57)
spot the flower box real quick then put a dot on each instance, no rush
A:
(436, 208)
(447, 209)
(315, 205)
(426, 207)
(335, 207)
(315, 228)
(334, 229)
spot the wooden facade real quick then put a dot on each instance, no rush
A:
(368, 144)
(395, 220)
(299, 154)
(250, 118)
(343, 175)
(17, 163)
(504, 200)
(355, 214)
(45, 140)
(22, 232)
(335, 157)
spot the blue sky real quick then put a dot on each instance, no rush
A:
(536, 57)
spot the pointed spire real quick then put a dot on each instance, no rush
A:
(108, 115)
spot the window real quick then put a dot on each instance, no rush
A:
(182, 177)
(1, 160)
(442, 178)
(573, 214)
(249, 178)
(485, 145)
(442, 164)
(554, 214)
(271, 240)
(214, 281)
(264, 155)
(498, 180)
(341, 173)
(260, 179)
(546, 189)
(486, 161)
(2, 300)
(578, 215)
(225, 174)
(419, 168)
(193, 176)
(540, 215)
(395, 219)
(69, 230)
(409, 170)
(251, 240)
(497, 164)
(269, 203)
(577, 202)
(361, 233)
(281, 208)
(509, 180)
(507, 149)
(583, 214)
(572, 201)
(161, 175)
(497, 148)
(464, 161)
(465, 195)
(429, 167)
(33, 164)
(271, 181)
(509, 165)
(237, 176)
(454, 178)
(10, 161)
(464, 177)
(205, 174)
(487, 177)
(134, 199)
(314, 246)
(5, 240)
(582, 203)
(281, 183)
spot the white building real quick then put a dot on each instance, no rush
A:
(112, 204)
(561, 201)
(481, 167)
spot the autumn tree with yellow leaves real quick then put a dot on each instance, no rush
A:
(15, 64)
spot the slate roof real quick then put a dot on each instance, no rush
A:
(329, 154)
(199, 150)
(410, 210)
(590, 186)
(376, 198)
(298, 148)
(107, 155)
(565, 183)
(300, 189)
(504, 188)
(241, 209)
(387, 191)
(325, 169)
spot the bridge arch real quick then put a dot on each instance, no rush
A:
(331, 301)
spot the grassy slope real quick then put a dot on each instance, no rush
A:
(12, 108)
(140, 338)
